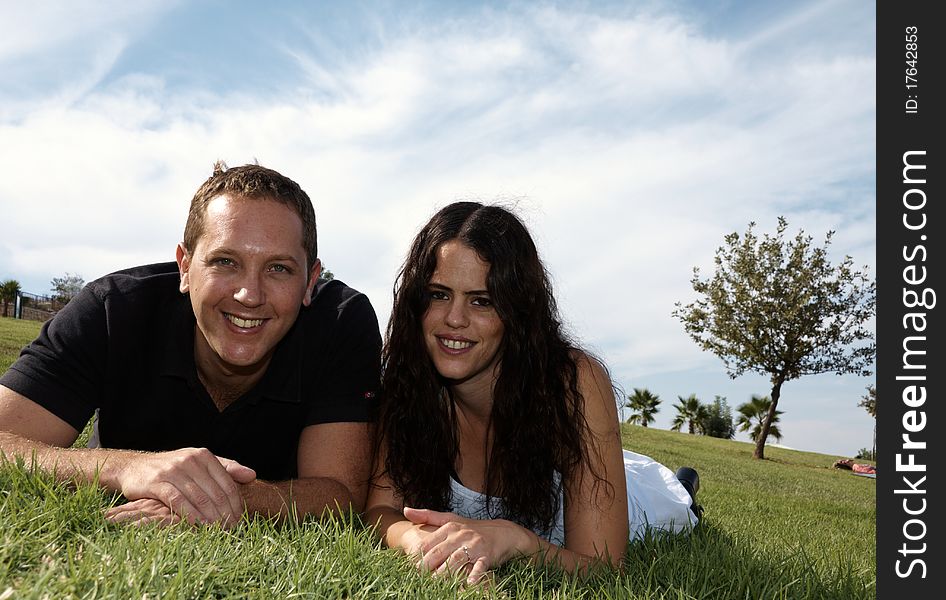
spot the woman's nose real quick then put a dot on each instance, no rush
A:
(456, 315)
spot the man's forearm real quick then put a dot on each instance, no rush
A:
(80, 465)
(298, 497)
(193, 482)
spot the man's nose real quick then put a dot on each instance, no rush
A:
(250, 291)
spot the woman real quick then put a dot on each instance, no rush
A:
(499, 438)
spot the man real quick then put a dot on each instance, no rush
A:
(232, 380)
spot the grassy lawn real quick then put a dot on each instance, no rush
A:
(14, 334)
(787, 527)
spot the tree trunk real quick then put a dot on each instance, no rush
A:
(760, 443)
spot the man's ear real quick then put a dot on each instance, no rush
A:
(183, 266)
(313, 279)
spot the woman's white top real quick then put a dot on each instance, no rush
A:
(655, 500)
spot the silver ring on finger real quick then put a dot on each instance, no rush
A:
(466, 551)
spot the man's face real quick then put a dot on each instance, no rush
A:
(247, 279)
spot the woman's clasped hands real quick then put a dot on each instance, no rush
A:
(452, 543)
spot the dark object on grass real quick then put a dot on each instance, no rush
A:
(691, 483)
(847, 463)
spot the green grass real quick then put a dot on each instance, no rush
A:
(786, 527)
(14, 334)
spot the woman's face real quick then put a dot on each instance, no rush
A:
(462, 330)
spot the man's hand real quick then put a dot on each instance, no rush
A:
(142, 512)
(192, 482)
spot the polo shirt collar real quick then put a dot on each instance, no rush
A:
(282, 381)
(177, 359)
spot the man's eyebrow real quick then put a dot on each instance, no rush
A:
(284, 258)
(231, 252)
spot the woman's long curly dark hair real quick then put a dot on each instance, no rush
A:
(537, 421)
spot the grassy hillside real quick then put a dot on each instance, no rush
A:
(787, 527)
(14, 334)
(791, 504)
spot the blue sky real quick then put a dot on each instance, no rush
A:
(630, 136)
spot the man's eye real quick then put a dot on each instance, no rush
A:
(280, 269)
(224, 262)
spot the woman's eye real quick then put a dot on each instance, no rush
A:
(438, 295)
(481, 301)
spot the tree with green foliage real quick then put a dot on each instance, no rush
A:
(717, 420)
(689, 410)
(9, 290)
(755, 414)
(66, 287)
(779, 307)
(869, 402)
(643, 404)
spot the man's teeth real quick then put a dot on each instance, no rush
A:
(455, 344)
(245, 323)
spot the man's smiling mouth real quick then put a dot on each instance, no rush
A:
(243, 323)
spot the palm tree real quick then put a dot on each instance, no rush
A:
(869, 402)
(8, 292)
(643, 404)
(752, 416)
(689, 410)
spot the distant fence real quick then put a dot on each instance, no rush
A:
(34, 307)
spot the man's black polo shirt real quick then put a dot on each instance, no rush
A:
(125, 346)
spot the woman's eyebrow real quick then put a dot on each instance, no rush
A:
(441, 286)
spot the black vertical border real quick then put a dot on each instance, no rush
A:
(898, 247)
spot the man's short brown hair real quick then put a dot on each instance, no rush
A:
(255, 182)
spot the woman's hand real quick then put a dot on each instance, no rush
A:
(470, 544)
(412, 539)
